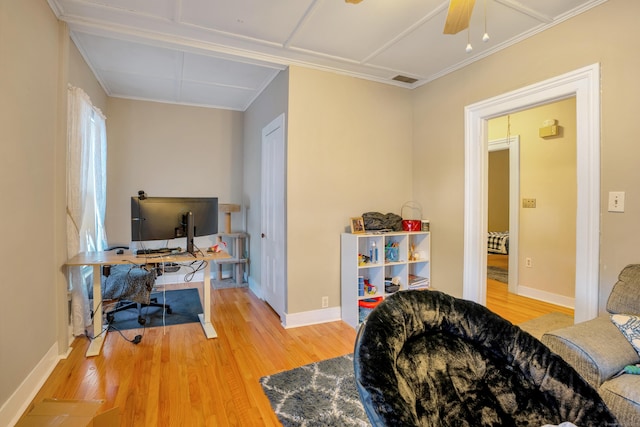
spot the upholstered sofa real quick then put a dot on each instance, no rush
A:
(424, 358)
(599, 351)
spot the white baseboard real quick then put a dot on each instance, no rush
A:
(255, 288)
(14, 407)
(312, 317)
(549, 297)
(306, 318)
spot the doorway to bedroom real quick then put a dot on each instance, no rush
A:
(532, 202)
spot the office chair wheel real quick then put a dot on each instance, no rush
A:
(169, 311)
(142, 320)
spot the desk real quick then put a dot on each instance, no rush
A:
(98, 259)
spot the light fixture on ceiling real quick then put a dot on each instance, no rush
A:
(353, 1)
(485, 36)
(458, 18)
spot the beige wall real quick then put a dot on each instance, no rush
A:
(605, 35)
(170, 150)
(498, 197)
(547, 174)
(349, 152)
(272, 102)
(33, 74)
(80, 75)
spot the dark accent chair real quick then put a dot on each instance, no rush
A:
(424, 358)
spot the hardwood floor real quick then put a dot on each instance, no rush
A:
(176, 377)
(515, 308)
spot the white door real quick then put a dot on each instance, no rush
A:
(273, 215)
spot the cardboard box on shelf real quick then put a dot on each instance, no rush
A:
(70, 413)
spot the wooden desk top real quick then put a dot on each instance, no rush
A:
(111, 257)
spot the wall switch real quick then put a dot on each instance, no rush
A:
(325, 302)
(528, 203)
(616, 201)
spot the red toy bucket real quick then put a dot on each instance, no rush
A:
(412, 224)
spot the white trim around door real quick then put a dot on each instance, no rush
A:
(584, 84)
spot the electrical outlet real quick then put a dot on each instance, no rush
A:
(325, 302)
(528, 262)
(528, 203)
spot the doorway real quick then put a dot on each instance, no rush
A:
(511, 144)
(539, 238)
(584, 84)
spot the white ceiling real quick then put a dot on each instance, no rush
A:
(223, 53)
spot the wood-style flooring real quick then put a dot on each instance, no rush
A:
(515, 308)
(176, 377)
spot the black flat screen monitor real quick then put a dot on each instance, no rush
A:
(166, 218)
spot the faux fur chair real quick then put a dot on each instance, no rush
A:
(424, 358)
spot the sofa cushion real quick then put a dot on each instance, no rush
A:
(622, 396)
(595, 348)
(625, 295)
(629, 325)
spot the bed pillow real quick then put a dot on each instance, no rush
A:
(629, 325)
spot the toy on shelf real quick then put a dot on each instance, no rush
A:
(218, 247)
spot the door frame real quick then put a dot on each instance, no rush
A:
(513, 145)
(584, 84)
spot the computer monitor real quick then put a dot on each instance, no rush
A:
(166, 218)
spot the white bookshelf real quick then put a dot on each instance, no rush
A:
(412, 261)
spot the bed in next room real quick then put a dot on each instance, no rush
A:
(498, 242)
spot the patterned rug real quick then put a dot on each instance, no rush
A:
(320, 394)
(498, 274)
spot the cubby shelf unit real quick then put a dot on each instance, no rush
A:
(409, 263)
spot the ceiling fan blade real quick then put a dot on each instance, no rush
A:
(458, 16)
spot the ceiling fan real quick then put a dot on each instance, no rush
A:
(458, 16)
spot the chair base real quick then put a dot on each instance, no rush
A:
(127, 305)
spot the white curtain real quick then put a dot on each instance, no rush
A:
(86, 195)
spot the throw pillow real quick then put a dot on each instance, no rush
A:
(629, 325)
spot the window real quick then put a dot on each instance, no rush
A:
(86, 194)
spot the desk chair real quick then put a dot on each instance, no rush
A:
(132, 286)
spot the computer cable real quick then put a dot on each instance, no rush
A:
(104, 330)
(135, 340)
(188, 277)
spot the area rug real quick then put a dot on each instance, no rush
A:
(319, 394)
(185, 307)
(548, 322)
(499, 274)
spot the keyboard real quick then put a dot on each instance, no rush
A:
(159, 251)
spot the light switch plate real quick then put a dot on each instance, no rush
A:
(616, 201)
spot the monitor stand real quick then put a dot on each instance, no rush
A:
(190, 233)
